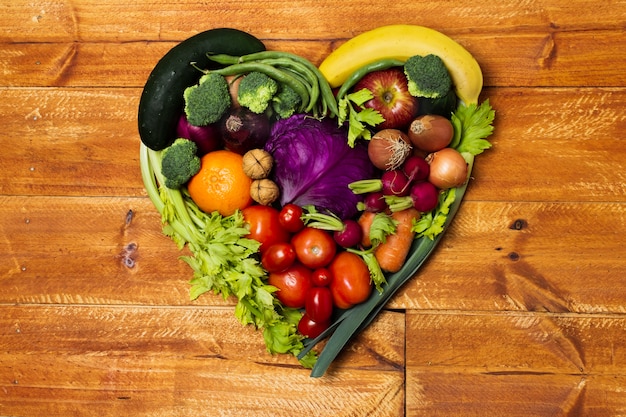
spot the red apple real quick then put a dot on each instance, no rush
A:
(391, 97)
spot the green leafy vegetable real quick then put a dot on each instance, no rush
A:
(223, 260)
(358, 118)
(472, 124)
(431, 224)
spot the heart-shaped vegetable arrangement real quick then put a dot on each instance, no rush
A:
(310, 194)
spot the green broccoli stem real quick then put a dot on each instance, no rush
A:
(270, 71)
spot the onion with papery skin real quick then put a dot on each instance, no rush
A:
(243, 130)
(206, 138)
(389, 148)
(430, 132)
(448, 168)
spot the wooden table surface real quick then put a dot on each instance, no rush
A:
(519, 312)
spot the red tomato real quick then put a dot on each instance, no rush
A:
(293, 284)
(351, 282)
(278, 257)
(264, 225)
(319, 304)
(311, 328)
(315, 248)
(290, 218)
(321, 277)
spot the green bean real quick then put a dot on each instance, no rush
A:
(312, 89)
(330, 103)
(301, 69)
(270, 71)
(364, 70)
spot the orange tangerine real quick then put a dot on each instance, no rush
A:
(221, 184)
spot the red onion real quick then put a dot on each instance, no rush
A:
(206, 138)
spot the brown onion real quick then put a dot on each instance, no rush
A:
(448, 168)
(389, 148)
(431, 132)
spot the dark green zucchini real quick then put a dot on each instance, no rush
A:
(162, 101)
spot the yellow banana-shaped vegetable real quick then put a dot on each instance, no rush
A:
(402, 42)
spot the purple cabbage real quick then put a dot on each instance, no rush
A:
(313, 164)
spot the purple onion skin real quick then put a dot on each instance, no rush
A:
(206, 138)
(395, 182)
(425, 196)
(351, 234)
(242, 130)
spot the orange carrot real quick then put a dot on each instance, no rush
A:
(365, 221)
(392, 253)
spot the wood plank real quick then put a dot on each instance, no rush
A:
(575, 154)
(111, 20)
(526, 256)
(78, 360)
(580, 58)
(515, 364)
(496, 256)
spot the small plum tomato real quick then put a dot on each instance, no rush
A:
(310, 328)
(319, 304)
(264, 226)
(293, 284)
(351, 282)
(278, 257)
(290, 217)
(315, 248)
(321, 277)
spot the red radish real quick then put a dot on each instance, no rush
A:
(425, 196)
(395, 182)
(416, 168)
(374, 202)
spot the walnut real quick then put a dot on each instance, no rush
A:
(257, 163)
(264, 191)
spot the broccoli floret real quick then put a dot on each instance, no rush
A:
(286, 101)
(256, 91)
(207, 101)
(427, 76)
(179, 163)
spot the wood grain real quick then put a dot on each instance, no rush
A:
(516, 364)
(166, 361)
(519, 312)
